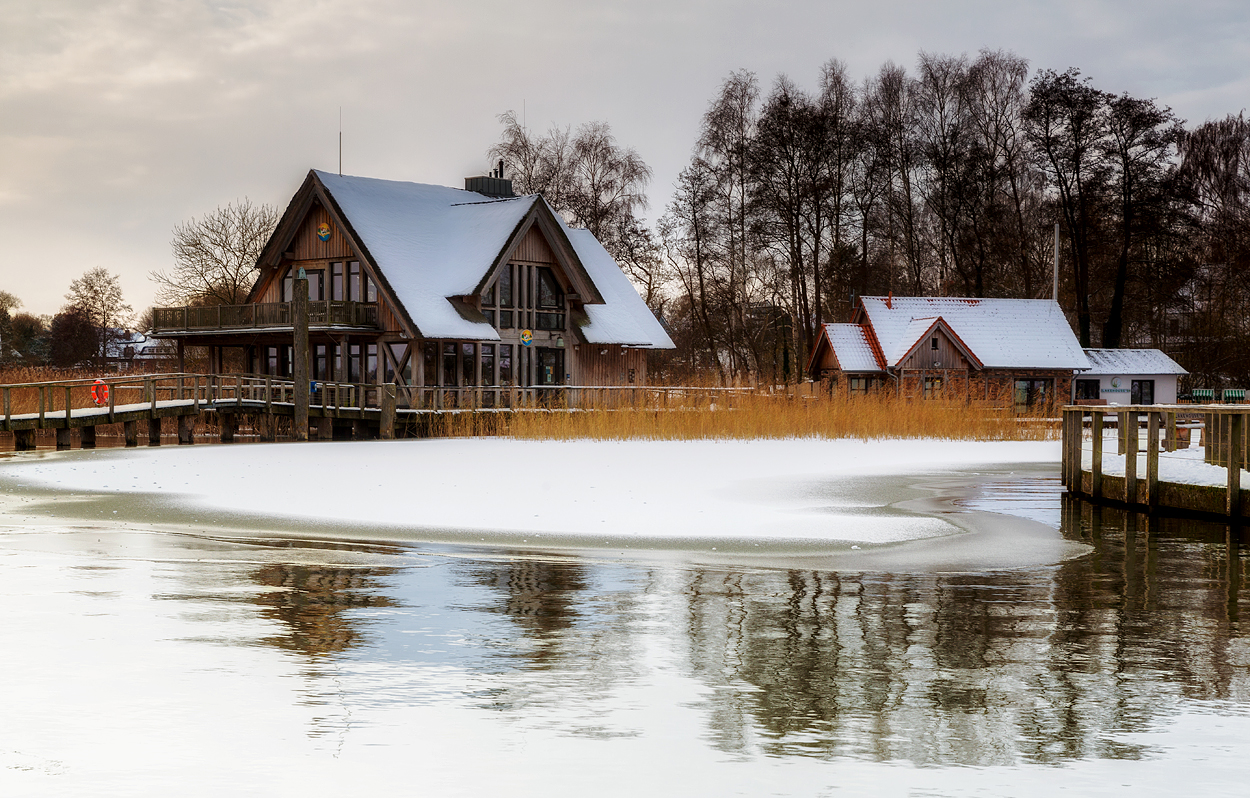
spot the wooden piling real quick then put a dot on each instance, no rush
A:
(23, 440)
(386, 425)
(64, 437)
(130, 431)
(1129, 433)
(186, 430)
(1152, 459)
(1095, 476)
(154, 431)
(88, 437)
(1235, 425)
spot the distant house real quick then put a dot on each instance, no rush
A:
(1128, 377)
(950, 346)
(433, 287)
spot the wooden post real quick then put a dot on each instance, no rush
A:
(149, 393)
(268, 394)
(1121, 433)
(112, 389)
(229, 424)
(1095, 475)
(386, 427)
(1171, 436)
(1152, 459)
(1129, 433)
(1236, 422)
(8, 409)
(154, 431)
(23, 440)
(42, 401)
(130, 430)
(186, 430)
(88, 437)
(63, 437)
(299, 312)
(182, 359)
(68, 404)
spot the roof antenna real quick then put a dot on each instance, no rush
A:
(340, 141)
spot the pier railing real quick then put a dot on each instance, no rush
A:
(1223, 430)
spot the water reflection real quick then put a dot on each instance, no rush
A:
(314, 605)
(1041, 666)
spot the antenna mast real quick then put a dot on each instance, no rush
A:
(1055, 295)
(340, 141)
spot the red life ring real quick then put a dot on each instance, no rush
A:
(100, 392)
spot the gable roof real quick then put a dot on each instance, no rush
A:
(852, 346)
(1131, 361)
(431, 245)
(920, 330)
(1001, 333)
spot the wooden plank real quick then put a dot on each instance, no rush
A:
(1171, 436)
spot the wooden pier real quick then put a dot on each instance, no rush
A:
(331, 410)
(1223, 431)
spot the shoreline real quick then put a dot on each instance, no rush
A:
(776, 517)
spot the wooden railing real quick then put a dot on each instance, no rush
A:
(261, 315)
(67, 396)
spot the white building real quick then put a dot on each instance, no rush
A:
(1128, 377)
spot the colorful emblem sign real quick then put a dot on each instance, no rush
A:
(323, 231)
(527, 337)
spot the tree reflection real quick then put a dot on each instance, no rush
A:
(1038, 666)
(314, 604)
(542, 598)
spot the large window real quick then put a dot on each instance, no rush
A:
(505, 364)
(1087, 390)
(468, 361)
(932, 387)
(488, 364)
(449, 365)
(505, 286)
(550, 294)
(1142, 392)
(1031, 393)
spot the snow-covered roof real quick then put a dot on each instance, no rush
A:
(1001, 333)
(852, 348)
(434, 243)
(623, 318)
(1131, 361)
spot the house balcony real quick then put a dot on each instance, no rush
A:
(261, 317)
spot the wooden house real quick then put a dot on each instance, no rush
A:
(430, 287)
(952, 347)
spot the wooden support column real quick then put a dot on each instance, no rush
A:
(1065, 435)
(325, 428)
(64, 437)
(1129, 432)
(229, 424)
(1121, 433)
(186, 430)
(88, 437)
(1095, 475)
(23, 440)
(1236, 423)
(1152, 459)
(154, 431)
(300, 368)
(1171, 436)
(130, 431)
(267, 427)
(386, 426)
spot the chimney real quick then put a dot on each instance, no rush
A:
(493, 185)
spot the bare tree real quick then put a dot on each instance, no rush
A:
(98, 295)
(215, 255)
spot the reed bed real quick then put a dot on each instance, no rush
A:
(756, 416)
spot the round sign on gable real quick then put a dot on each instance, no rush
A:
(1115, 382)
(323, 231)
(527, 337)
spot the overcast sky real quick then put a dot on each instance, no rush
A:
(120, 119)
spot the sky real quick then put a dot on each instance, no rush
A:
(119, 120)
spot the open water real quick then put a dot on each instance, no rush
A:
(143, 663)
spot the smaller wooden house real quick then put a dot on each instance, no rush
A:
(951, 347)
(1128, 377)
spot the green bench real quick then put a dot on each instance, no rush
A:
(1234, 395)
(1203, 394)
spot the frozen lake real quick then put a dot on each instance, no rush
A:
(161, 650)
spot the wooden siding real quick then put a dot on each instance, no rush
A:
(308, 246)
(946, 356)
(533, 248)
(592, 367)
